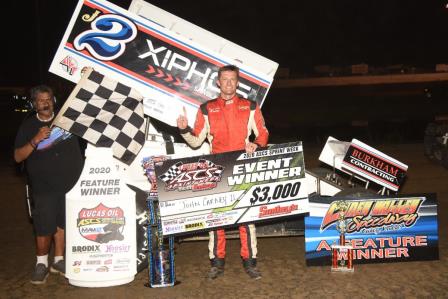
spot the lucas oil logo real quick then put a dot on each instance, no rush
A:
(101, 224)
(196, 176)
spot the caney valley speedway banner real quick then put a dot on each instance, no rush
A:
(206, 192)
(170, 71)
(391, 229)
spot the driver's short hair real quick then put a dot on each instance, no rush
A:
(227, 68)
(40, 89)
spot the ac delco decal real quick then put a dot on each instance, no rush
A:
(101, 224)
(197, 176)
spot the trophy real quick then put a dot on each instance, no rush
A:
(161, 251)
(341, 254)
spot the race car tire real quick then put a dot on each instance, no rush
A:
(432, 147)
(430, 141)
(445, 157)
(438, 153)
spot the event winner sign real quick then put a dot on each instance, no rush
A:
(392, 229)
(219, 190)
(169, 69)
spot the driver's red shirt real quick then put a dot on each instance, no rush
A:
(227, 124)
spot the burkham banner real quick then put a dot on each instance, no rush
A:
(393, 229)
(213, 191)
(169, 70)
(374, 165)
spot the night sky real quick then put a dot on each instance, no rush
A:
(296, 34)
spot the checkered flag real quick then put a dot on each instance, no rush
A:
(171, 173)
(105, 113)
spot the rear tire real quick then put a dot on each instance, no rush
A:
(429, 140)
(434, 149)
(445, 157)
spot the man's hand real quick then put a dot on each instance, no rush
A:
(182, 120)
(22, 153)
(251, 147)
(42, 134)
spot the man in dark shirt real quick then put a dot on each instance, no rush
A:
(53, 161)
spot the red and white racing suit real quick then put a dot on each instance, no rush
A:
(227, 125)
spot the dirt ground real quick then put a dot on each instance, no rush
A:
(281, 260)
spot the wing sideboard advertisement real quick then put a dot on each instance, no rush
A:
(374, 165)
(207, 192)
(168, 69)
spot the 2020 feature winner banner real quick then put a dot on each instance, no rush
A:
(220, 190)
(394, 229)
(169, 70)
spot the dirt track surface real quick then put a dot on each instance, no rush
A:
(281, 260)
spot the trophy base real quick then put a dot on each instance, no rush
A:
(343, 270)
(342, 258)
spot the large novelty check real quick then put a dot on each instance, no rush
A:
(212, 191)
(169, 70)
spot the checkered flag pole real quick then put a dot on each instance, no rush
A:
(106, 113)
(172, 172)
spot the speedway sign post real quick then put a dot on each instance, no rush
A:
(170, 70)
(208, 192)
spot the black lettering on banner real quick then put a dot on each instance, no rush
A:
(280, 192)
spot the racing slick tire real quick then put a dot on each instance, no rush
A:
(445, 157)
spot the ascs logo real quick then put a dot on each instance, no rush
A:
(196, 176)
(108, 37)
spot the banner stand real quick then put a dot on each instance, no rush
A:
(100, 225)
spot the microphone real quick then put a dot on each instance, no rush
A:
(46, 108)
